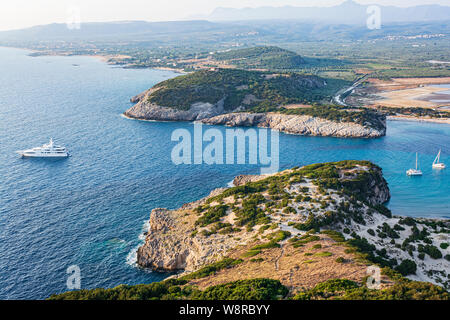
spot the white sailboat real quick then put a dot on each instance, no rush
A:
(436, 163)
(416, 171)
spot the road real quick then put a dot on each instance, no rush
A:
(343, 93)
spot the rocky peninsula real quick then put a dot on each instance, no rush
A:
(310, 233)
(301, 226)
(241, 98)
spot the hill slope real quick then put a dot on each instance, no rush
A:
(271, 58)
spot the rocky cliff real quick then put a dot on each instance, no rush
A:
(171, 246)
(177, 241)
(214, 114)
(145, 110)
(297, 124)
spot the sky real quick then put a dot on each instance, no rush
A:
(17, 14)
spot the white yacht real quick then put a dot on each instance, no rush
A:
(416, 171)
(437, 164)
(49, 150)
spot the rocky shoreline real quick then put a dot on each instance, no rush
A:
(295, 124)
(210, 229)
(214, 114)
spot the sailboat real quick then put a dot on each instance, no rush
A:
(416, 171)
(436, 163)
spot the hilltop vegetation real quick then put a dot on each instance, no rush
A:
(270, 57)
(239, 90)
(259, 289)
(250, 90)
(240, 97)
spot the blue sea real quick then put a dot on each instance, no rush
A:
(90, 209)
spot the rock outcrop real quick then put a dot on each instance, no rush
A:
(145, 110)
(170, 244)
(242, 179)
(344, 196)
(175, 241)
(297, 124)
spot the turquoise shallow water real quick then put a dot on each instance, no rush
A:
(89, 209)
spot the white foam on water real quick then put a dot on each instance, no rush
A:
(132, 255)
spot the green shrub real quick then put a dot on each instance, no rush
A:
(213, 214)
(323, 254)
(212, 269)
(335, 235)
(432, 251)
(254, 289)
(348, 290)
(251, 253)
(407, 267)
(408, 221)
(289, 210)
(340, 260)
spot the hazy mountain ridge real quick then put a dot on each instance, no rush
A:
(344, 21)
(349, 12)
(92, 30)
(197, 32)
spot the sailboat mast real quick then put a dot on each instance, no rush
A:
(438, 157)
(416, 160)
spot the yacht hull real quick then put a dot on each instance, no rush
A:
(413, 172)
(27, 155)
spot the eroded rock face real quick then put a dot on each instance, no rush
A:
(145, 110)
(243, 179)
(296, 124)
(375, 189)
(170, 246)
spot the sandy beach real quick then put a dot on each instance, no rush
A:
(419, 119)
(411, 92)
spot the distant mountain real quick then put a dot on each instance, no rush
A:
(96, 30)
(349, 12)
(343, 22)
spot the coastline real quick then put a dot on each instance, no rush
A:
(194, 247)
(120, 183)
(102, 58)
(418, 119)
(411, 92)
